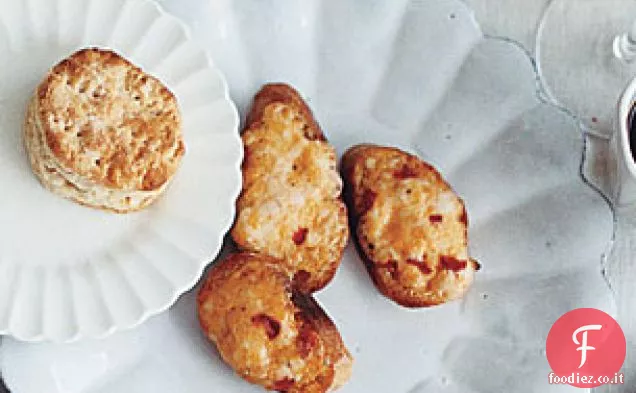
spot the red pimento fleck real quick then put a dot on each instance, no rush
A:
(300, 235)
(594, 119)
(284, 385)
(392, 267)
(436, 218)
(420, 265)
(271, 326)
(452, 263)
(405, 173)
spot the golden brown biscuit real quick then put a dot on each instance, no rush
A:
(290, 207)
(270, 334)
(103, 133)
(411, 228)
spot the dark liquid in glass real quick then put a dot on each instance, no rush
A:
(631, 125)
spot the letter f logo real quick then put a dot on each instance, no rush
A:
(583, 344)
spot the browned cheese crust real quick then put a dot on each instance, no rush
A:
(270, 334)
(290, 206)
(410, 227)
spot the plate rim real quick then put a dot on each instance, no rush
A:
(225, 222)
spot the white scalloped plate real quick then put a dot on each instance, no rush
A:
(69, 272)
(416, 74)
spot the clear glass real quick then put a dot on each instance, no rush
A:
(586, 55)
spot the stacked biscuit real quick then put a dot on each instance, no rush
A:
(103, 133)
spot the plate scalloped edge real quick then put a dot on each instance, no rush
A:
(105, 295)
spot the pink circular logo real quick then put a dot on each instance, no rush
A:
(586, 348)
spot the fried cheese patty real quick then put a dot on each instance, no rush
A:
(410, 227)
(290, 207)
(269, 333)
